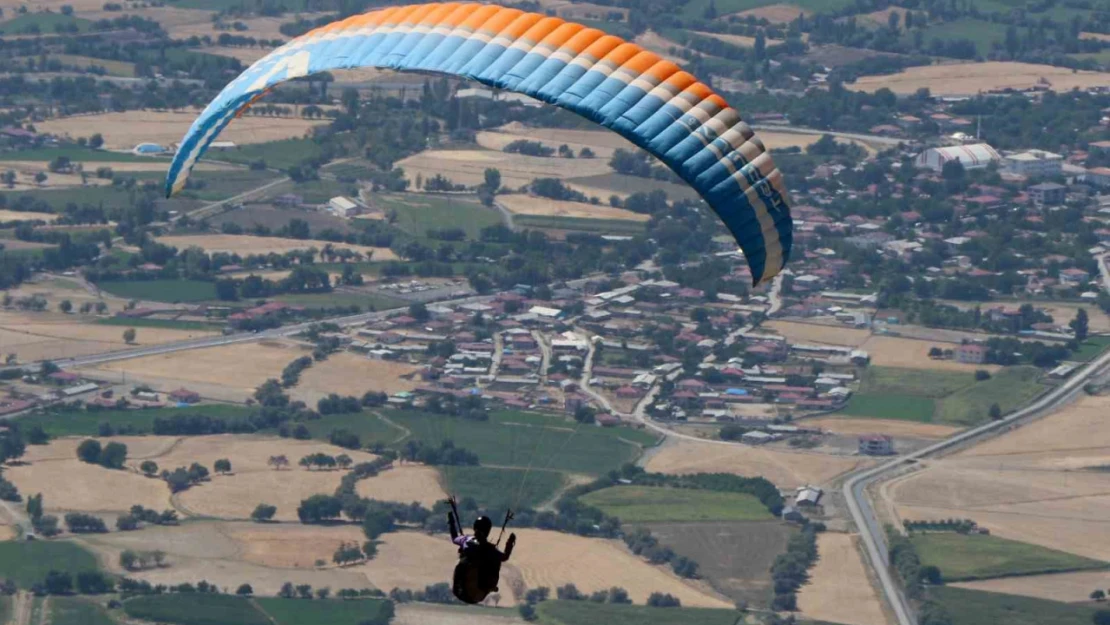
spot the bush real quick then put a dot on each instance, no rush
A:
(79, 523)
(660, 600)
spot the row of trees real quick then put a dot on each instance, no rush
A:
(110, 456)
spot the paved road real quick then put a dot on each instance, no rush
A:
(864, 516)
(843, 135)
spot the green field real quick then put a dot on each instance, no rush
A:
(500, 489)
(622, 184)
(277, 154)
(77, 611)
(27, 563)
(1010, 388)
(948, 397)
(586, 449)
(76, 154)
(975, 607)
(168, 324)
(365, 301)
(368, 426)
(648, 504)
(221, 185)
(578, 224)
(590, 613)
(696, 8)
(644, 437)
(418, 213)
(162, 290)
(963, 558)
(109, 197)
(300, 612)
(984, 34)
(318, 191)
(58, 423)
(195, 609)
(44, 22)
(1091, 348)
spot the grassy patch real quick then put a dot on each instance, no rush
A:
(586, 449)
(113, 68)
(984, 34)
(77, 611)
(162, 290)
(917, 382)
(578, 224)
(27, 563)
(365, 301)
(43, 23)
(368, 426)
(1091, 348)
(890, 406)
(645, 437)
(195, 609)
(57, 423)
(76, 154)
(300, 612)
(496, 489)
(416, 214)
(220, 185)
(975, 607)
(281, 154)
(1010, 388)
(589, 613)
(962, 558)
(169, 324)
(645, 504)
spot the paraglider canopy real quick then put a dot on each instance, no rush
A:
(643, 97)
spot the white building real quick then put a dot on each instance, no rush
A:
(974, 156)
(1034, 163)
(342, 207)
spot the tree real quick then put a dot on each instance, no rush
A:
(128, 560)
(493, 179)
(113, 455)
(527, 612)
(34, 507)
(1079, 325)
(660, 600)
(127, 523)
(149, 467)
(197, 472)
(222, 466)
(304, 591)
(58, 583)
(244, 590)
(89, 451)
(278, 462)
(995, 412)
(1098, 595)
(982, 375)
(65, 306)
(96, 141)
(344, 461)
(129, 335)
(287, 591)
(94, 583)
(319, 508)
(263, 512)
(619, 595)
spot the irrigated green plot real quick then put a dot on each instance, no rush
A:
(916, 382)
(975, 607)
(277, 154)
(1091, 348)
(647, 504)
(113, 68)
(577, 449)
(162, 290)
(645, 437)
(890, 406)
(27, 563)
(983, 33)
(590, 613)
(46, 23)
(195, 609)
(418, 213)
(87, 423)
(501, 489)
(331, 612)
(1010, 388)
(366, 425)
(77, 611)
(220, 185)
(962, 557)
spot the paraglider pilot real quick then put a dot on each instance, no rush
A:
(479, 567)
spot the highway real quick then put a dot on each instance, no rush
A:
(864, 515)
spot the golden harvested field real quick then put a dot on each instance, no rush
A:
(11, 6)
(602, 142)
(405, 484)
(529, 205)
(431, 614)
(7, 532)
(56, 289)
(893, 427)
(414, 560)
(290, 546)
(248, 454)
(664, 47)
(244, 244)
(37, 336)
(246, 55)
(1095, 36)
(468, 167)
(73, 485)
(890, 351)
(798, 332)
(882, 18)
(839, 590)
(234, 370)
(26, 172)
(7, 215)
(1027, 485)
(125, 130)
(973, 78)
(236, 496)
(1069, 587)
(350, 374)
(775, 13)
(212, 551)
(786, 469)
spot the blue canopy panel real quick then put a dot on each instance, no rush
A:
(648, 100)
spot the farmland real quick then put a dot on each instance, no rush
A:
(973, 78)
(59, 423)
(70, 484)
(251, 216)
(839, 590)
(500, 489)
(416, 214)
(245, 244)
(1069, 587)
(962, 558)
(294, 612)
(587, 613)
(195, 610)
(733, 557)
(409, 483)
(641, 504)
(535, 206)
(27, 563)
(971, 607)
(77, 611)
(468, 167)
(162, 290)
(37, 336)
